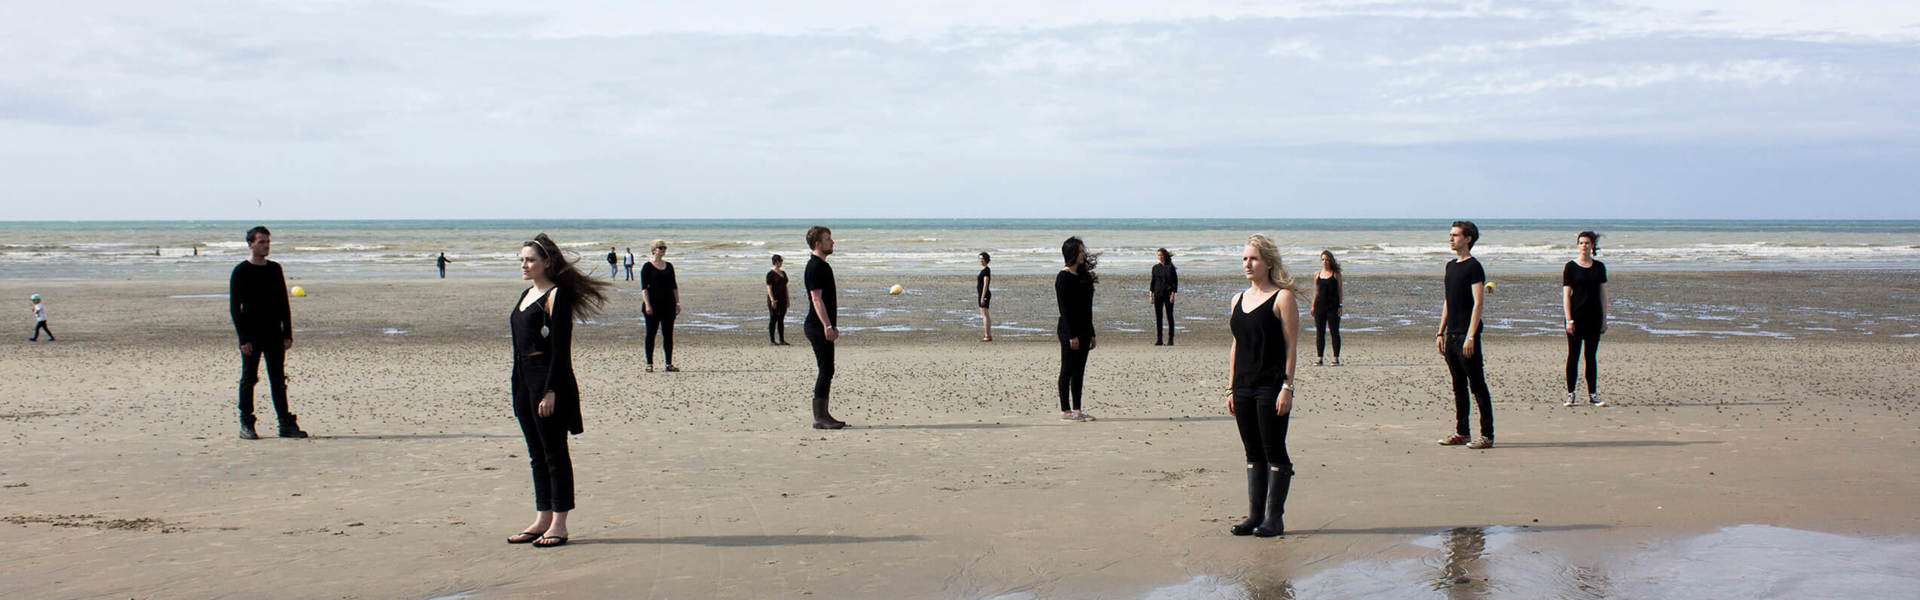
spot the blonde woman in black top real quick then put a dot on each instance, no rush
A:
(1265, 320)
(659, 301)
(546, 395)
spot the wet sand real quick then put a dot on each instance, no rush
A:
(124, 478)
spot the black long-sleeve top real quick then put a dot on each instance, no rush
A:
(257, 299)
(1075, 296)
(1166, 280)
(538, 336)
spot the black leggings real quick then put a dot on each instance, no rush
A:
(776, 322)
(822, 358)
(1162, 305)
(546, 442)
(39, 327)
(1584, 334)
(1323, 323)
(1469, 375)
(276, 356)
(662, 324)
(1262, 433)
(1073, 374)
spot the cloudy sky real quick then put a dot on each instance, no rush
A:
(199, 109)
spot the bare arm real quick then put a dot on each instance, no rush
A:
(1604, 300)
(1473, 323)
(1566, 306)
(1440, 337)
(1233, 354)
(1288, 309)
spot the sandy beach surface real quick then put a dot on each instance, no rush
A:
(123, 478)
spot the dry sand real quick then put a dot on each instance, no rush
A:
(123, 477)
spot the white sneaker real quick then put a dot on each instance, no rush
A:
(1569, 400)
(1067, 416)
(1083, 416)
(1593, 399)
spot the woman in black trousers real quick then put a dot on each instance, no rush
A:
(1328, 285)
(1073, 290)
(546, 396)
(777, 303)
(1266, 329)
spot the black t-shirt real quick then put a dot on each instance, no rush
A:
(980, 283)
(1074, 294)
(778, 281)
(611, 259)
(257, 299)
(1585, 282)
(819, 276)
(659, 285)
(1460, 279)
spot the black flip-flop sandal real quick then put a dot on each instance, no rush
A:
(524, 537)
(549, 541)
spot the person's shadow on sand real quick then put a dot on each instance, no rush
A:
(754, 540)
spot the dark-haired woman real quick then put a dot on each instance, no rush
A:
(1326, 307)
(1266, 327)
(546, 396)
(1073, 290)
(983, 294)
(777, 303)
(1583, 286)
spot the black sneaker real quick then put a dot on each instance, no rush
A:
(246, 432)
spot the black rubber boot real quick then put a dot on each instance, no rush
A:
(290, 428)
(246, 429)
(1277, 484)
(821, 420)
(1256, 499)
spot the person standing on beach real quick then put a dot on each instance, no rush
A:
(1459, 337)
(39, 320)
(1161, 291)
(546, 395)
(263, 319)
(1073, 292)
(442, 263)
(613, 262)
(1265, 320)
(659, 301)
(983, 294)
(1583, 301)
(1327, 285)
(628, 263)
(823, 316)
(777, 303)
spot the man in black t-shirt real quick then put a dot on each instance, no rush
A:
(262, 317)
(1459, 337)
(822, 319)
(613, 262)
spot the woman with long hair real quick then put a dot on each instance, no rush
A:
(1583, 301)
(1328, 286)
(1073, 291)
(1265, 320)
(546, 396)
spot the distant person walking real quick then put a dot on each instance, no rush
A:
(39, 319)
(660, 301)
(983, 295)
(1459, 337)
(546, 394)
(823, 317)
(1265, 320)
(777, 303)
(613, 262)
(1073, 292)
(628, 263)
(442, 263)
(1327, 283)
(1164, 286)
(263, 319)
(1583, 291)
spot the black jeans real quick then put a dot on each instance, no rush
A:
(776, 322)
(1162, 305)
(276, 356)
(1469, 375)
(1262, 433)
(661, 324)
(40, 326)
(546, 441)
(1588, 335)
(1324, 323)
(1073, 375)
(822, 358)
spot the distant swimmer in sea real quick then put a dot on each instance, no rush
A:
(660, 302)
(1459, 337)
(263, 319)
(823, 319)
(1583, 292)
(983, 295)
(39, 319)
(546, 395)
(777, 303)
(442, 263)
(1073, 291)
(1265, 320)
(1161, 291)
(1327, 285)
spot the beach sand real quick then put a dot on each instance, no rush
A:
(123, 477)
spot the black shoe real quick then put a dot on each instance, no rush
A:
(1256, 500)
(1159, 343)
(246, 432)
(823, 420)
(1277, 484)
(290, 428)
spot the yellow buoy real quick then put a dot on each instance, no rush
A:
(299, 292)
(896, 290)
(1489, 286)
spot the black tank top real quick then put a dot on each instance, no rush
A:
(530, 332)
(1326, 294)
(1260, 346)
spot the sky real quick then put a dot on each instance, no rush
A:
(347, 109)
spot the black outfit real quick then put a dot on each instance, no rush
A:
(1588, 315)
(1260, 354)
(1469, 374)
(660, 287)
(542, 363)
(980, 291)
(442, 263)
(1166, 281)
(262, 316)
(1074, 294)
(1326, 314)
(777, 307)
(819, 277)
